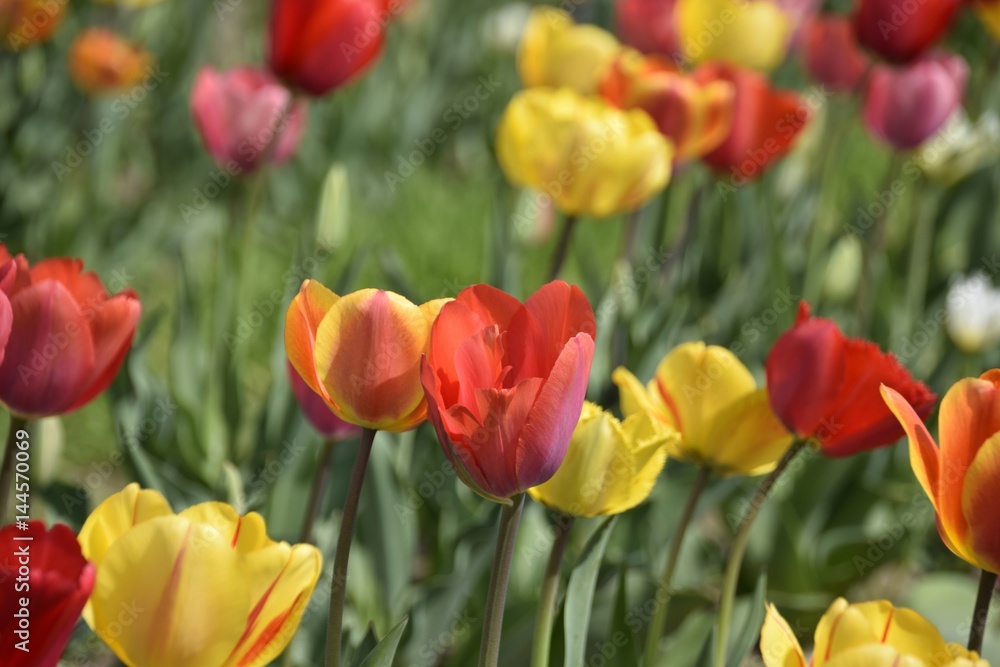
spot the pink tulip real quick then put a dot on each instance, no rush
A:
(246, 118)
(314, 407)
(905, 106)
(832, 56)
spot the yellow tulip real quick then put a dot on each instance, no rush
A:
(610, 466)
(868, 634)
(988, 12)
(705, 393)
(745, 33)
(203, 588)
(557, 52)
(591, 158)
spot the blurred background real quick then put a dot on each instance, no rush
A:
(396, 186)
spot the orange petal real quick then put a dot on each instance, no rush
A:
(978, 498)
(302, 320)
(924, 454)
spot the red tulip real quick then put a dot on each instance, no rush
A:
(58, 582)
(825, 386)
(831, 55)
(246, 117)
(900, 30)
(314, 406)
(649, 25)
(318, 45)
(505, 383)
(766, 121)
(67, 336)
(906, 105)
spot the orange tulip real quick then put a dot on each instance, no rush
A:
(361, 353)
(961, 476)
(27, 22)
(696, 116)
(101, 61)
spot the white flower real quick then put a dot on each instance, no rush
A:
(974, 313)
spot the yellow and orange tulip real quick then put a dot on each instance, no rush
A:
(591, 158)
(361, 353)
(610, 467)
(101, 61)
(745, 33)
(205, 587)
(705, 393)
(557, 52)
(873, 634)
(961, 476)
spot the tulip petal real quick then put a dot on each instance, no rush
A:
(561, 311)
(245, 534)
(841, 628)
(874, 655)
(116, 516)
(154, 578)
(85, 286)
(302, 320)
(924, 454)
(495, 443)
(778, 645)
(6, 320)
(112, 326)
(492, 305)
(368, 349)
(905, 630)
(639, 462)
(978, 505)
(636, 399)
(747, 438)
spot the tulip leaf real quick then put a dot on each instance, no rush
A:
(385, 652)
(580, 593)
(749, 620)
(621, 632)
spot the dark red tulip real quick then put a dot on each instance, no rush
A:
(766, 121)
(51, 574)
(67, 337)
(906, 105)
(901, 30)
(649, 25)
(826, 386)
(314, 407)
(831, 54)
(319, 45)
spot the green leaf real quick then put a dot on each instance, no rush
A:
(384, 653)
(750, 619)
(580, 593)
(621, 632)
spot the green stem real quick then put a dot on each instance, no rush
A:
(320, 482)
(7, 467)
(986, 583)
(547, 601)
(659, 621)
(739, 549)
(874, 250)
(338, 589)
(510, 517)
(562, 248)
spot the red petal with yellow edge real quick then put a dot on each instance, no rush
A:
(303, 318)
(979, 505)
(924, 454)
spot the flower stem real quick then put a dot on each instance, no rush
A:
(510, 517)
(7, 467)
(338, 589)
(320, 482)
(562, 248)
(656, 626)
(986, 583)
(547, 601)
(739, 550)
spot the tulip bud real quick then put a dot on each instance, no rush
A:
(902, 31)
(831, 55)
(246, 118)
(556, 52)
(101, 61)
(974, 314)
(905, 106)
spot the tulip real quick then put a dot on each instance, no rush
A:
(319, 46)
(67, 336)
(101, 61)
(505, 383)
(873, 634)
(988, 12)
(591, 158)
(29, 22)
(319, 414)
(649, 25)
(824, 386)
(246, 118)
(742, 33)
(901, 31)
(208, 586)
(361, 353)
(556, 52)
(695, 117)
(905, 106)
(831, 55)
(610, 466)
(705, 393)
(961, 147)
(973, 309)
(766, 122)
(59, 582)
